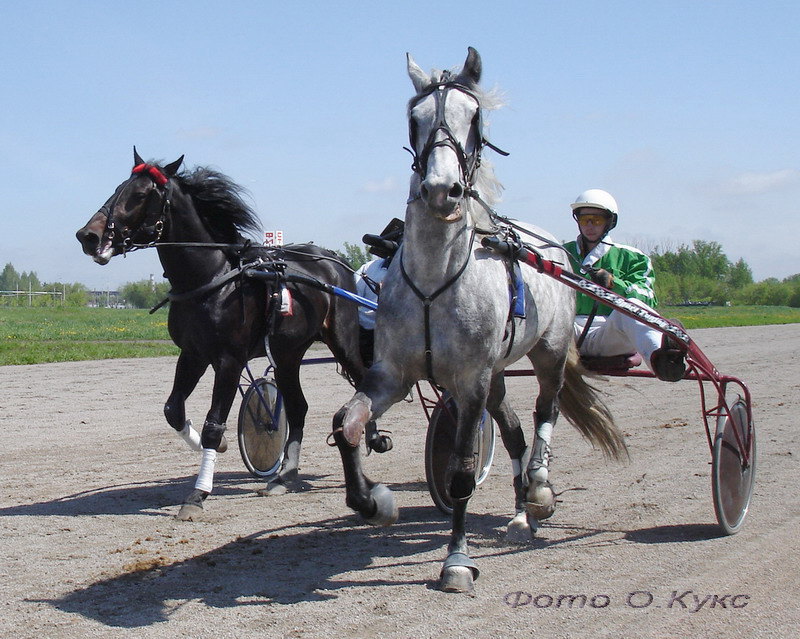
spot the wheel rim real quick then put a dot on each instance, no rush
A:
(732, 479)
(261, 440)
(439, 442)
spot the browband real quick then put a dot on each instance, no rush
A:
(153, 171)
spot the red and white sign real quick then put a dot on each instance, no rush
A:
(273, 238)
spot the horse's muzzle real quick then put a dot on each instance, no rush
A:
(91, 243)
(443, 200)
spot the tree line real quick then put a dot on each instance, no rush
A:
(696, 273)
(703, 273)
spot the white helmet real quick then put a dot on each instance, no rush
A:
(599, 199)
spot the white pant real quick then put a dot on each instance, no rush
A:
(618, 334)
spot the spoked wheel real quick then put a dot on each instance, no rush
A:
(732, 478)
(439, 443)
(262, 428)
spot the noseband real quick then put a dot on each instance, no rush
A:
(152, 233)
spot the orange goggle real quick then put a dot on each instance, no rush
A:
(593, 219)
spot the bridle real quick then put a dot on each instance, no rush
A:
(468, 162)
(146, 234)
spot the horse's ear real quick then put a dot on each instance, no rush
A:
(172, 169)
(137, 160)
(419, 78)
(471, 73)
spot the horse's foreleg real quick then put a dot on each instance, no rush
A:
(379, 391)
(188, 372)
(459, 571)
(212, 438)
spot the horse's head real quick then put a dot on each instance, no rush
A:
(445, 131)
(133, 214)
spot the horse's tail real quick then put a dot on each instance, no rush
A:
(581, 404)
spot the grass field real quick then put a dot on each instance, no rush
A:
(39, 335)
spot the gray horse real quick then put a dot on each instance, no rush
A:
(444, 315)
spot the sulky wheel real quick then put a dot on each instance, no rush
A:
(439, 443)
(732, 478)
(262, 428)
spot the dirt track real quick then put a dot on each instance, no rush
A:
(92, 474)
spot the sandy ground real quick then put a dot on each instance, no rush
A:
(92, 475)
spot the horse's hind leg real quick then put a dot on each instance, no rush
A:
(549, 366)
(287, 377)
(513, 436)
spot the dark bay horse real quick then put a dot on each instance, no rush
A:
(446, 314)
(217, 316)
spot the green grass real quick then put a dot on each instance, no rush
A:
(39, 335)
(721, 316)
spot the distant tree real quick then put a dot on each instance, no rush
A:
(739, 275)
(355, 254)
(144, 293)
(769, 292)
(9, 278)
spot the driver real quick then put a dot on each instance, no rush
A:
(369, 278)
(601, 331)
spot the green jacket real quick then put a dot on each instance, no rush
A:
(632, 271)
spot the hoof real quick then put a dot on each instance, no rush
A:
(380, 444)
(519, 530)
(192, 509)
(386, 513)
(223, 445)
(280, 486)
(273, 489)
(190, 512)
(458, 573)
(541, 502)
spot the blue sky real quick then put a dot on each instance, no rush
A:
(687, 111)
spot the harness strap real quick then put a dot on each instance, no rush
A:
(427, 300)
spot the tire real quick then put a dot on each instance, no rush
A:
(439, 443)
(262, 429)
(731, 481)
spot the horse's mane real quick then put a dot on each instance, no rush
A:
(220, 203)
(486, 183)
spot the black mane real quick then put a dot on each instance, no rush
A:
(220, 203)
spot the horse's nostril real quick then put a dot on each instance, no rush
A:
(456, 191)
(89, 240)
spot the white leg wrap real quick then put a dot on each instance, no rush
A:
(545, 432)
(516, 467)
(191, 436)
(205, 478)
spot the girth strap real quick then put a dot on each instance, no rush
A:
(427, 300)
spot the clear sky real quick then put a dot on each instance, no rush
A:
(687, 111)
